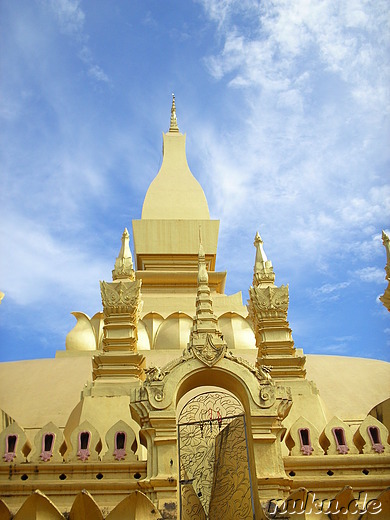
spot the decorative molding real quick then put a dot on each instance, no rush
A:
(268, 302)
(208, 349)
(121, 297)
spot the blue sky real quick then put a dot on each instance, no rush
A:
(286, 109)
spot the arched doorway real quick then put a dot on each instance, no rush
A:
(214, 473)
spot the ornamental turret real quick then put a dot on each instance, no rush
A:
(268, 306)
(206, 340)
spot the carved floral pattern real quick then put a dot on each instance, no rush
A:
(121, 297)
(269, 301)
(210, 352)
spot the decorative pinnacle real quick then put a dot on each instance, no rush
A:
(263, 270)
(203, 277)
(206, 340)
(173, 125)
(123, 268)
(386, 243)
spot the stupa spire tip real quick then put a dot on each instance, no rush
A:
(173, 124)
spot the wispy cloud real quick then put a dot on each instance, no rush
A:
(371, 275)
(71, 19)
(316, 154)
(69, 15)
(329, 292)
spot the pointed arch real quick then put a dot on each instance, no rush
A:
(122, 443)
(84, 444)
(135, 506)
(337, 439)
(303, 438)
(13, 444)
(38, 507)
(85, 508)
(42, 452)
(371, 436)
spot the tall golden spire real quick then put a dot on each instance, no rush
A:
(173, 126)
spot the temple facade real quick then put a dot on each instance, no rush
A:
(178, 401)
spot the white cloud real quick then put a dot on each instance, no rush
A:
(96, 72)
(55, 269)
(371, 275)
(69, 14)
(329, 292)
(308, 160)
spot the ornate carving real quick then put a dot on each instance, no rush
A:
(154, 373)
(214, 470)
(121, 297)
(209, 352)
(261, 372)
(267, 396)
(268, 302)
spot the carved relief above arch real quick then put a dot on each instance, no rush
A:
(255, 389)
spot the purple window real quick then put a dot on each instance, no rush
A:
(375, 438)
(304, 438)
(120, 445)
(47, 446)
(83, 452)
(10, 447)
(341, 443)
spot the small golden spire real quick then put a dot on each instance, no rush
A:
(173, 126)
(123, 268)
(263, 270)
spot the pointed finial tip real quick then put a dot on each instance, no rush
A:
(258, 238)
(173, 123)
